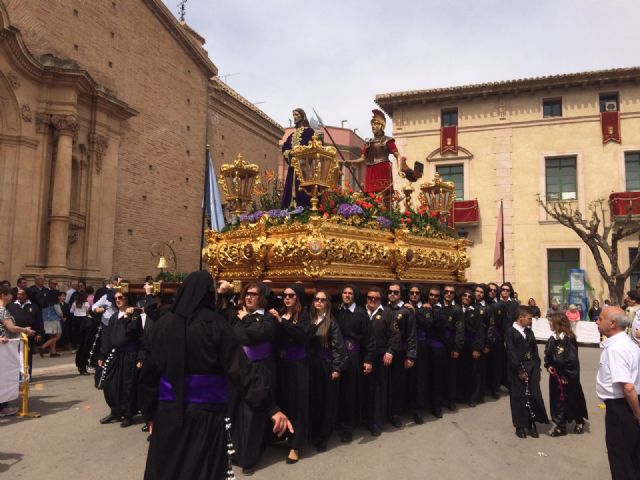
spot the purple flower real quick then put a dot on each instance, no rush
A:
(243, 218)
(384, 222)
(252, 217)
(277, 213)
(296, 211)
(347, 210)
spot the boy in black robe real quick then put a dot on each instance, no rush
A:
(523, 373)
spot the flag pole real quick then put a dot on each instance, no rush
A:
(204, 203)
(502, 240)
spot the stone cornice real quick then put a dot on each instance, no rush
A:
(220, 92)
(196, 52)
(598, 78)
(60, 73)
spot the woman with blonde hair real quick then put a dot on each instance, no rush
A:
(566, 397)
(326, 363)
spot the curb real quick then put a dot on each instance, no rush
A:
(66, 367)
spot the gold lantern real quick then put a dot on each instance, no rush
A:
(316, 167)
(438, 196)
(238, 182)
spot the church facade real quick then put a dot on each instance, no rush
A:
(107, 109)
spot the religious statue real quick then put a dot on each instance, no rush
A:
(375, 154)
(291, 196)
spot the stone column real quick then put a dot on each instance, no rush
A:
(66, 128)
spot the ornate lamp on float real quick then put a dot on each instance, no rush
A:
(316, 167)
(438, 196)
(238, 182)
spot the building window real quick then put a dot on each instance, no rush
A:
(552, 108)
(559, 262)
(560, 178)
(449, 117)
(455, 174)
(635, 274)
(632, 171)
(609, 102)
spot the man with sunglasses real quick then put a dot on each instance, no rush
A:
(437, 353)
(419, 374)
(405, 321)
(505, 313)
(485, 312)
(472, 351)
(451, 323)
(361, 348)
(388, 344)
(119, 355)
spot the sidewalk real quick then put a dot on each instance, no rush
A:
(47, 365)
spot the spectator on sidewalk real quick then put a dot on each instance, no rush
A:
(27, 315)
(72, 289)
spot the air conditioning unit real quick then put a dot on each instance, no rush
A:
(610, 106)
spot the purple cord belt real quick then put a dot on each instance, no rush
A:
(197, 389)
(259, 351)
(421, 336)
(352, 344)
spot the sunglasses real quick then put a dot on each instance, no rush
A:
(466, 295)
(450, 292)
(505, 289)
(251, 294)
(434, 295)
(321, 300)
(414, 293)
(289, 295)
(373, 299)
(393, 292)
(119, 297)
(493, 289)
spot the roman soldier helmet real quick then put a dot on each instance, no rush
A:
(379, 116)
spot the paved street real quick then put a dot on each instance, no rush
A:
(68, 441)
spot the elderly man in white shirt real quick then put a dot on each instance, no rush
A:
(618, 385)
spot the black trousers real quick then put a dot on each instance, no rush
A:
(623, 440)
(471, 376)
(397, 385)
(438, 362)
(418, 379)
(495, 366)
(377, 392)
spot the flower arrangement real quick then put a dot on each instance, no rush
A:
(343, 206)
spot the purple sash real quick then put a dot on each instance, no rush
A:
(421, 336)
(351, 344)
(433, 343)
(197, 389)
(291, 354)
(259, 351)
(322, 353)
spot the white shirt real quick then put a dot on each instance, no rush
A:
(351, 307)
(519, 328)
(619, 363)
(70, 292)
(371, 314)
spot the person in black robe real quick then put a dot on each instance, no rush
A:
(452, 325)
(327, 359)
(523, 370)
(436, 350)
(360, 345)
(474, 342)
(292, 340)
(404, 359)
(566, 398)
(418, 378)
(292, 196)
(505, 313)
(196, 354)
(119, 358)
(388, 343)
(486, 314)
(256, 328)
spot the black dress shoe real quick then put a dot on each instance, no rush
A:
(520, 433)
(321, 446)
(375, 430)
(558, 431)
(472, 404)
(108, 419)
(346, 436)
(126, 422)
(145, 427)
(83, 372)
(437, 413)
(396, 421)
(417, 417)
(452, 406)
(247, 471)
(495, 395)
(532, 431)
(292, 460)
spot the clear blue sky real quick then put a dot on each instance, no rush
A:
(335, 56)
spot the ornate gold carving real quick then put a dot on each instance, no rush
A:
(25, 111)
(320, 249)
